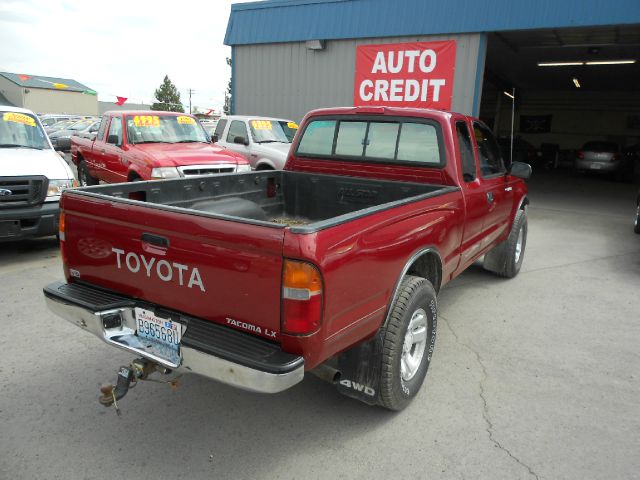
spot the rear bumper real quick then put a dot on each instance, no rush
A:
(597, 165)
(208, 349)
(36, 221)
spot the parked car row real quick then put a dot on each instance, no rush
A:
(61, 138)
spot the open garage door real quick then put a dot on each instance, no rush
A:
(577, 97)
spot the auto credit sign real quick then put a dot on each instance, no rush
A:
(416, 74)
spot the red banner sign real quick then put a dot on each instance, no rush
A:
(416, 74)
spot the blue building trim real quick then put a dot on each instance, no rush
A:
(482, 55)
(273, 21)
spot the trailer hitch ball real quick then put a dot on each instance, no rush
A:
(111, 394)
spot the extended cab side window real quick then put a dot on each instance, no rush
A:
(219, 129)
(103, 126)
(115, 131)
(237, 129)
(466, 152)
(488, 151)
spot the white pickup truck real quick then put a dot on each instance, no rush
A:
(263, 141)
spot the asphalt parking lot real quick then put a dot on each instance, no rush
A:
(534, 377)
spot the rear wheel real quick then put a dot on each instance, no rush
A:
(84, 178)
(636, 225)
(408, 341)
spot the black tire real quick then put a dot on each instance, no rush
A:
(506, 258)
(417, 298)
(84, 178)
(636, 225)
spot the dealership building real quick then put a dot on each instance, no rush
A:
(569, 70)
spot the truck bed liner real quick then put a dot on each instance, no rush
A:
(305, 202)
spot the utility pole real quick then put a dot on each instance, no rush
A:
(191, 90)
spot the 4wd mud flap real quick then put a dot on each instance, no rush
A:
(360, 371)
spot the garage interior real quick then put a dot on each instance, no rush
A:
(559, 107)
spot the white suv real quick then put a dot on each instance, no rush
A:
(263, 141)
(32, 177)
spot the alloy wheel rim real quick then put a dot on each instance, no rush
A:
(519, 245)
(414, 345)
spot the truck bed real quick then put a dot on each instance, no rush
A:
(304, 202)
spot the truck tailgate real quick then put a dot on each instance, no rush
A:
(222, 271)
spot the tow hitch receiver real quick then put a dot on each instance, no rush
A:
(128, 377)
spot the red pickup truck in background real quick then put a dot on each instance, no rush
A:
(330, 266)
(150, 145)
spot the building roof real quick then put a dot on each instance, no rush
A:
(49, 83)
(273, 21)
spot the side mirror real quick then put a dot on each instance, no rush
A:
(113, 139)
(214, 138)
(521, 170)
(241, 141)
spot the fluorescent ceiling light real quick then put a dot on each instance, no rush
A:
(559, 64)
(508, 95)
(576, 83)
(611, 62)
(573, 64)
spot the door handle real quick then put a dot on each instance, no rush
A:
(155, 240)
(490, 197)
(154, 244)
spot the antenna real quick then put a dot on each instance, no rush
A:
(513, 114)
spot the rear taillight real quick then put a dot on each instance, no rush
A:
(61, 236)
(301, 298)
(580, 155)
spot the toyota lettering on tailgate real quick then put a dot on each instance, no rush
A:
(162, 269)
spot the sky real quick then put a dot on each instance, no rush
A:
(121, 48)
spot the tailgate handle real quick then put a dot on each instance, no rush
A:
(155, 240)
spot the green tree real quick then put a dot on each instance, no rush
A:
(168, 97)
(227, 94)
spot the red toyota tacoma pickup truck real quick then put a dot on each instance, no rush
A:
(150, 145)
(331, 266)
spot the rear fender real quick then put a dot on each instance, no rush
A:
(360, 365)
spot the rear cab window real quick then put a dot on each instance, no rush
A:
(407, 141)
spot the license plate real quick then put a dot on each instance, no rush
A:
(596, 166)
(161, 330)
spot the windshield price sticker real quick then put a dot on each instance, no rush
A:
(19, 118)
(292, 125)
(146, 121)
(261, 125)
(184, 120)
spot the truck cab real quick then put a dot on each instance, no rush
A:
(263, 141)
